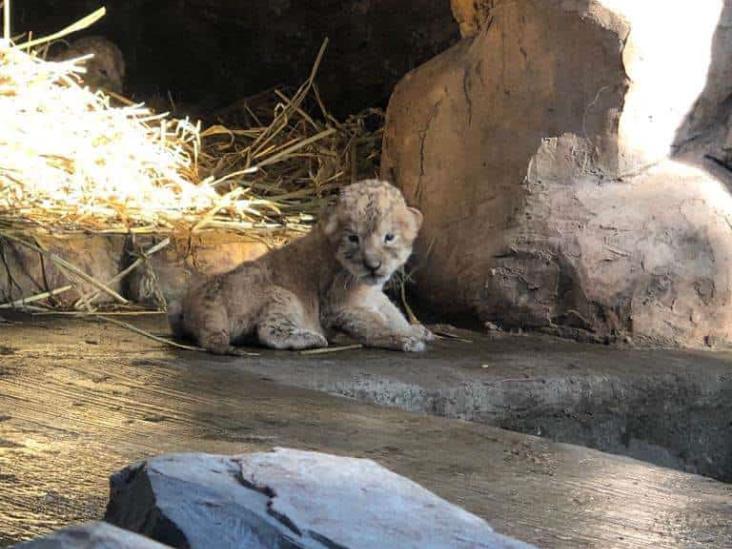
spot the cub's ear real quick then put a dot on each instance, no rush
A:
(329, 223)
(418, 217)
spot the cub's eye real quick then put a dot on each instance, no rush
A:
(388, 237)
(353, 238)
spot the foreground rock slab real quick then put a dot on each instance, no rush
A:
(288, 498)
(97, 535)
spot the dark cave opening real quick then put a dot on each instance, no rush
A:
(211, 53)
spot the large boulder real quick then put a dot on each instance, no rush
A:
(545, 151)
(471, 15)
(288, 498)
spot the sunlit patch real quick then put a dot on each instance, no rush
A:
(667, 73)
(72, 159)
(68, 158)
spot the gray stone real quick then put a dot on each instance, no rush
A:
(288, 498)
(92, 535)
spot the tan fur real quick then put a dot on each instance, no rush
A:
(106, 69)
(330, 280)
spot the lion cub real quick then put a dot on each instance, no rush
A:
(330, 280)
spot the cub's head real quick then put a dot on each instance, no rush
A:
(373, 230)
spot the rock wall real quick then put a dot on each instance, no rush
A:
(25, 272)
(541, 151)
(707, 130)
(165, 276)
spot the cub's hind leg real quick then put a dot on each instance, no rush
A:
(205, 319)
(213, 332)
(283, 324)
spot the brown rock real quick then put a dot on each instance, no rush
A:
(25, 272)
(471, 15)
(527, 147)
(168, 273)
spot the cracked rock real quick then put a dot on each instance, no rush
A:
(564, 187)
(287, 498)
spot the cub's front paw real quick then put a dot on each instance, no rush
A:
(421, 332)
(396, 342)
(411, 344)
(311, 340)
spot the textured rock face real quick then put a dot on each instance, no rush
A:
(288, 498)
(708, 128)
(540, 152)
(94, 535)
(168, 273)
(105, 69)
(24, 272)
(471, 15)
(165, 274)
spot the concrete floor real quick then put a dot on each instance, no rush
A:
(80, 399)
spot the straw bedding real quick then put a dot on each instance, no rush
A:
(75, 160)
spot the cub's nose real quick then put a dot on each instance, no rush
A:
(372, 264)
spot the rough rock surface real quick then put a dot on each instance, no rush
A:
(92, 535)
(541, 152)
(471, 15)
(71, 411)
(168, 272)
(24, 272)
(105, 68)
(707, 130)
(287, 498)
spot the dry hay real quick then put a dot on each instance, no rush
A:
(75, 160)
(68, 160)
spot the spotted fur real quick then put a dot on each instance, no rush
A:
(330, 280)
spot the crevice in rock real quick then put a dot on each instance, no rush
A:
(329, 543)
(270, 493)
